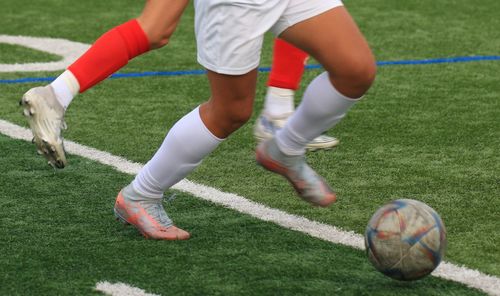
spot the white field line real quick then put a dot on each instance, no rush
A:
(120, 289)
(68, 50)
(472, 278)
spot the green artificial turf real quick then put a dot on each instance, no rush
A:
(59, 237)
(428, 132)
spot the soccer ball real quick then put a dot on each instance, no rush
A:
(405, 239)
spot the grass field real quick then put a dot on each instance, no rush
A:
(429, 132)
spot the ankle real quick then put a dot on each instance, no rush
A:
(65, 88)
(279, 102)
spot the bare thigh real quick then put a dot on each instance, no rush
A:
(334, 40)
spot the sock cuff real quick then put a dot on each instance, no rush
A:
(198, 117)
(146, 185)
(280, 92)
(326, 77)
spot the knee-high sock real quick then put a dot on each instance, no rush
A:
(109, 53)
(183, 149)
(321, 108)
(288, 65)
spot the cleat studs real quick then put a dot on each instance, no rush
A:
(28, 112)
(59, 164)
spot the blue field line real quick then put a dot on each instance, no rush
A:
(265, 69)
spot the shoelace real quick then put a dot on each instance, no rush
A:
(157, 211)
(164, 219)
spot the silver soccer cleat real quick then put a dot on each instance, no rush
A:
(310, 186)
(266, 127)
(46, 119)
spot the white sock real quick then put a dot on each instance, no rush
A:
(279, 102)
(183, 149)
(65, 87)
(321, 108)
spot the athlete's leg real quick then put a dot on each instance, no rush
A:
(231, 103)
(188, 142)
(288, 65)
(45, 106)
(284, 80)
(109, 53)
(340, 47)
(159, 20)
(198, 133)
(152, 29)
(308, 184)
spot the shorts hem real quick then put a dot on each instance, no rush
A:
(281, 27)
(227, 71)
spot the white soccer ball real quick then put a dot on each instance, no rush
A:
(405, 239)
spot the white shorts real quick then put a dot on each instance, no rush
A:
(229, 33)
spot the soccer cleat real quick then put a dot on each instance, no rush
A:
(46, 119)
(147, 215)
(309, 185)
(266, 127)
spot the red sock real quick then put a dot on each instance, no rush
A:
(288, 65)
(109, 53)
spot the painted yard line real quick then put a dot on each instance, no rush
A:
(67, 50)
(120, 289)
(464, 59)
(449, 271)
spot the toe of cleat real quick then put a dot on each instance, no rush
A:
(49, 151)
(171, 233)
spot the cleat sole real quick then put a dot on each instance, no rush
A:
(46, 138)
(120, 218)
(309, 147)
